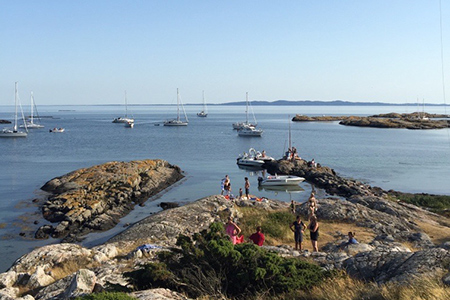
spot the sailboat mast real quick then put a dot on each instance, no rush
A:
(15, 106)
(246, 108)
(31, 104)
(126, 105)
(178, 105)
(289, 120)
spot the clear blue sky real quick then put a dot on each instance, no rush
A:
(90, 52)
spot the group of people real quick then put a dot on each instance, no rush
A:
(291, 154)
(234, 231)
(225, 186)
(298, 228)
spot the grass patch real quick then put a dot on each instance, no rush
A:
(275, 226)
(436, 203)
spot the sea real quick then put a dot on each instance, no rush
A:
(416, 161)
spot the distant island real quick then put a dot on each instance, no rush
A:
(414, 120)
(324, 103)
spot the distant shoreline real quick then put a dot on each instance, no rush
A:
(267, 103)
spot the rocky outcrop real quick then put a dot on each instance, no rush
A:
(303, 118)
(392, 120)
(93, 199)
(408, 123)
(66, 270)
(364, 205)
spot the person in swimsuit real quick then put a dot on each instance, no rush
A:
(314, 232)
(247, 188)
(233, 231)
(298, 227)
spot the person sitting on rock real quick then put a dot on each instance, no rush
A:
(351, 238)
(257, 237)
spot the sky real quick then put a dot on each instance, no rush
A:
(91, 52)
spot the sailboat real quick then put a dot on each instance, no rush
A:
(124, 119)
(177, 121)
(30, 124)
(247, 129)
(204, 112)
(241, 125)
(14, 132)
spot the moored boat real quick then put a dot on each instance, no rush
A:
(56, 130)
(280, 180)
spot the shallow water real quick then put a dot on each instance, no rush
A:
(405, 160)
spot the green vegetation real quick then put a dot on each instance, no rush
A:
(107, 296)
(437, 203)
(208, 264)
(275, 225)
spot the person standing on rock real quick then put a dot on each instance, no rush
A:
(298, 227)
(314, 232)
(222, 184)
(247, 188)
(312, 205)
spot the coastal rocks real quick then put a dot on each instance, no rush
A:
(303, 118)
(158, 294)
(408, 123)
(163, 228)
(93, 199)
(383, 266)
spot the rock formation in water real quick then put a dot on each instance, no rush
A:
(93, 199)
(391, 120)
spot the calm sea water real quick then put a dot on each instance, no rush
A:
(405, 160)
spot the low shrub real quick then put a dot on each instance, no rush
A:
(208, 264)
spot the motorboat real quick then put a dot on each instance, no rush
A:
(247, 160)
(249, 131)
(56, 130)
(253, 158)
(280, 180)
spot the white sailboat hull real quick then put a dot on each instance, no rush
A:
(7, 133)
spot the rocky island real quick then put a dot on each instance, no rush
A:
(391, 120)
(95, 198)
(398, 243)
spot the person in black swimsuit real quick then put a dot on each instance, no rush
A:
(314, 232)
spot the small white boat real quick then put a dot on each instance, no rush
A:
(253, 158)
(177, 121)
(250, 131)
(7, 133)
(56, 130)
(250, 161)
(124, 119)
(280, 180)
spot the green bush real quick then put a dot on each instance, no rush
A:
(437, 203)
(107, 296)
(209, 264)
